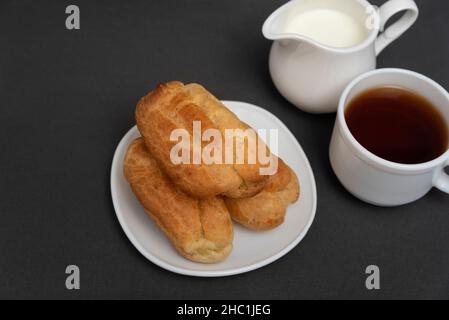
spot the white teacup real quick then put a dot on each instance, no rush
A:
(376, 180)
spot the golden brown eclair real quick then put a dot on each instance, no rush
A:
(201, 230)
(266, 210)
(176, 106)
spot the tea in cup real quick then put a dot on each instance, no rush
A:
(390, 143)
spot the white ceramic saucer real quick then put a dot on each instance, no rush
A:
(252, 250)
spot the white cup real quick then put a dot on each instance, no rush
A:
(376, 180)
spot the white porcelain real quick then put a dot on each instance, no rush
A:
(252, 250)
(311, 75)
(373, 179)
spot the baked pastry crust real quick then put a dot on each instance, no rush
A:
(201, 230)
(175, 106)
(266, 210)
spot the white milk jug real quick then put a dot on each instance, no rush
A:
(321, 45)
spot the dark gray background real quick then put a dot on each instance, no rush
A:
(67, 98)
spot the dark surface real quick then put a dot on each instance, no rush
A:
(67, 98)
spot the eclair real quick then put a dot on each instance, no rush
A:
(200, 230)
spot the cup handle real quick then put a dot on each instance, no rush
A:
(387, 11)
(442, 179)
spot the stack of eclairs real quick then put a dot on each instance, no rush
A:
(194, 204)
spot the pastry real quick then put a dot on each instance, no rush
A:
(176, 106)
(266, 210)
(201, 230)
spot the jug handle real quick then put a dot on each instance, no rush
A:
(387, 11)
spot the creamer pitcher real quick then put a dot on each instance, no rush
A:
(321, 45)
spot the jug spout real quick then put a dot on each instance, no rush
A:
(274, 27)
(326, 24)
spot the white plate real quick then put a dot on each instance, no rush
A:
(252, 250)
